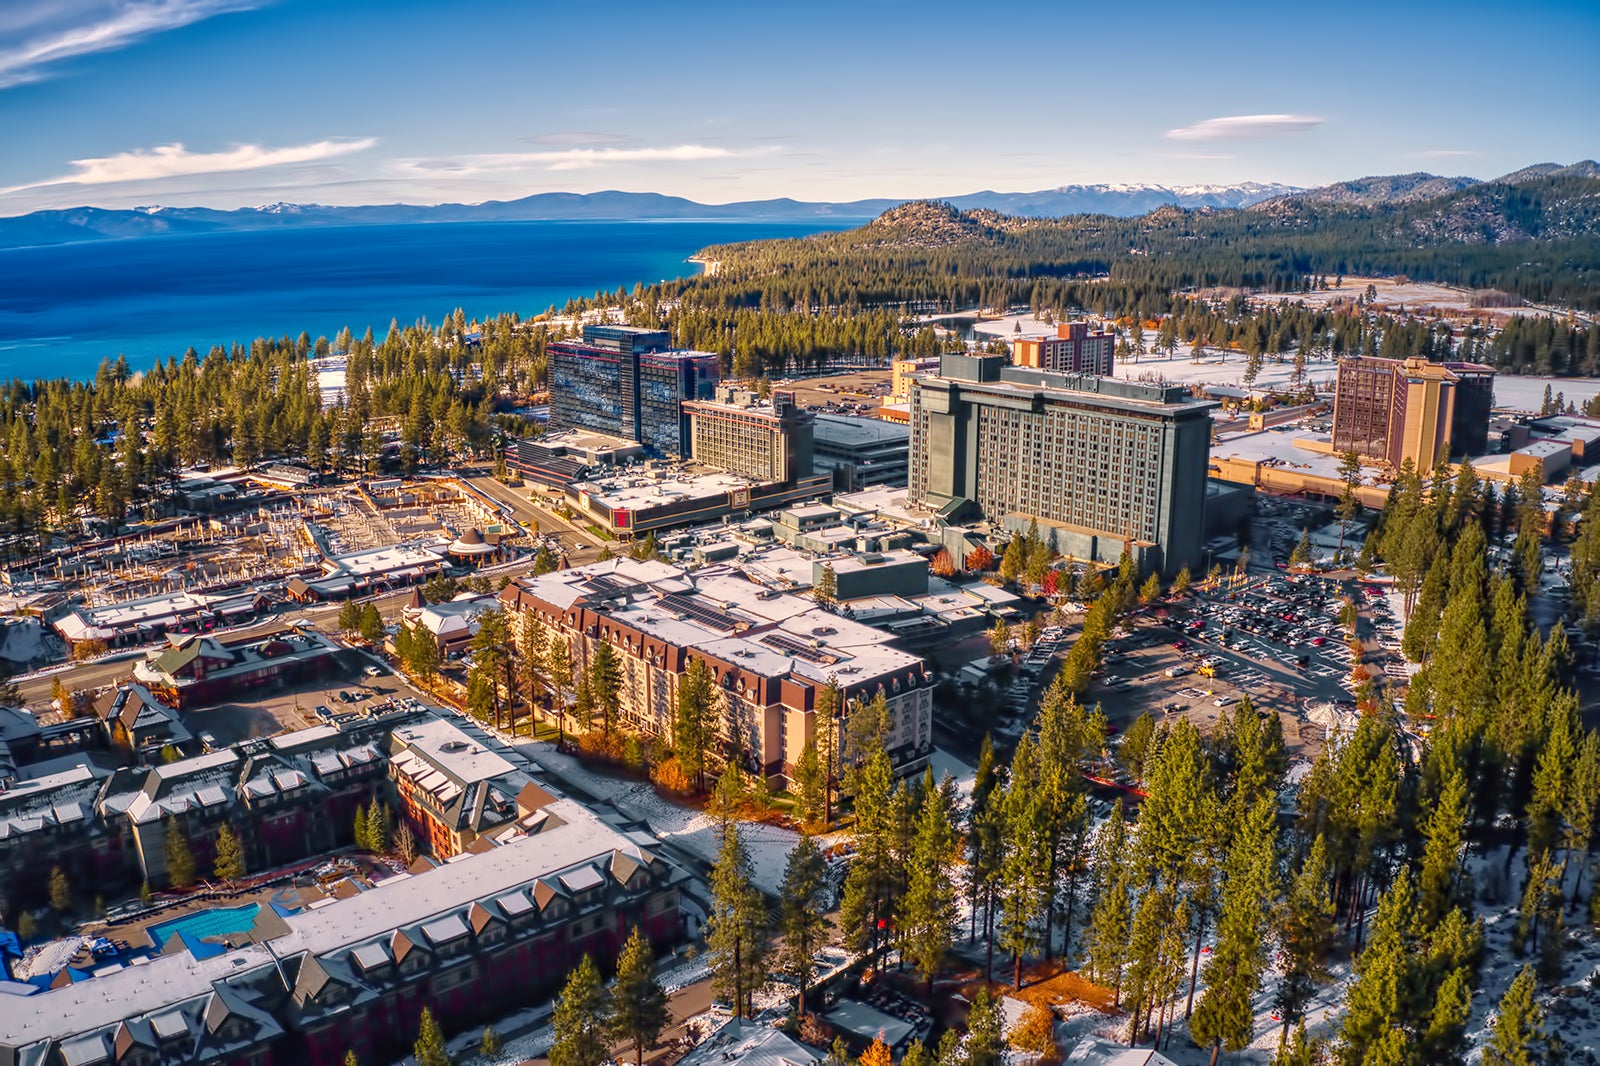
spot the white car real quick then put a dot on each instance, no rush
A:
(1225, 701)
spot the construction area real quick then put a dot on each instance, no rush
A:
(196, 573)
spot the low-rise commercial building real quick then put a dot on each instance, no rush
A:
(892, 573)
(555, 460)
(861, 452)
(194, 669)
(637, 502)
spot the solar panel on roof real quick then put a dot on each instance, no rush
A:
(799, 649)
(704, 613)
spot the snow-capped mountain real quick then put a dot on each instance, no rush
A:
(1121, 198)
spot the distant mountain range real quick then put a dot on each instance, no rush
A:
(1125, 200)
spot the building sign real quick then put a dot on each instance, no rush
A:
(739, 499)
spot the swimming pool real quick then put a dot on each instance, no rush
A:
(217, 921)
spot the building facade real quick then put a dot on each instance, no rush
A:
(197, 669)
(1392, 410)
(1106, 465)
(770, 653)
(761, 441)
(627, 381)
(862, 452)
(1075, 349)
(471, 940)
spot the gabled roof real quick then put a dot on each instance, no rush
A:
(314, 977)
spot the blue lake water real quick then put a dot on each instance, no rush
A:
(64, 308)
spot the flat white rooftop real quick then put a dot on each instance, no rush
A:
(637, 492)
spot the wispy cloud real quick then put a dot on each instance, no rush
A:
(576, 159)
(1244, 128)
(175, 161)
(577, 138)
(50, 33)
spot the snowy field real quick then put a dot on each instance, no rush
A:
(692, 830)
(1213, 367)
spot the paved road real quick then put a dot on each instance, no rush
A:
(36, 691)
(527, 510)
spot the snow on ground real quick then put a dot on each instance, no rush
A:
(692, 830)
(331, 379)
(944, 764)
(48, 958)
(1214, 367)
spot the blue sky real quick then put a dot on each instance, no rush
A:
(236, 102)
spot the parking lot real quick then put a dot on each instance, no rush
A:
(1276, 638)
(293, 707)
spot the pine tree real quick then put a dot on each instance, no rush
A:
(1109, 928)
(694, 729)
(363, 839)
(736, 929)
(578, 1023)
(605, 685)
(826, 589)
(1305, 932)
(638, 1004)
(985, 1044)
(728, 797)
(351, 1058)
(180, 859)
(868, 904)
(377, 827)
(1519, 1037)
(802, 918)
(349, 617)
(1376, 1006)
(558, 672)
(1144, 978)
(60, 890)
(928, 914)
(371, 624)
(1023, 883)
(1225, 1016)
(229, 862)
(829, 706)
(808, 785)
(1298, 1051)
(877, 1054)
(489, 1044)
(429, 1049)
(1444, 834)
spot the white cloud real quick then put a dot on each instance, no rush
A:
(50, 33)
(575, 159)
(1244, 127)
(574, 138)
(174, 160)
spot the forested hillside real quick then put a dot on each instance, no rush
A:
(1539, 239)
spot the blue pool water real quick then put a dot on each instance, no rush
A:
(218, 921)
